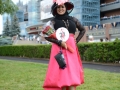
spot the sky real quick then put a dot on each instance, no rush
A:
(15, 1)
(24, 1)
(1, 26)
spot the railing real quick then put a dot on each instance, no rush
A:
(111, 17)
(95, 32)
(114, 31)
(106, 4)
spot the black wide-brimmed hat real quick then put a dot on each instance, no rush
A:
(69, 7)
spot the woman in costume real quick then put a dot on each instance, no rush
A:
(72, 75)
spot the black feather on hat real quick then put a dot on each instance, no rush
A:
(69, 7)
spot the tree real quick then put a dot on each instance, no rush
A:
(7, 6)
(7, 28)
(15, 28)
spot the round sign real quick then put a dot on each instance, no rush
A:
(62, 34)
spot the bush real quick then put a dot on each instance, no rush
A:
(5, 41)
(103, 52)
(98, 52)
(37, 51)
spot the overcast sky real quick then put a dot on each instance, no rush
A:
(24, 1)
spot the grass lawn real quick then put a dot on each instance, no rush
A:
(15, 75)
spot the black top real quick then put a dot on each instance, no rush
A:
(71, 23)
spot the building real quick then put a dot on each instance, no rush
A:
(110, 11)
(87, 11)
(42, 15)
(109, 21)
(101, 18)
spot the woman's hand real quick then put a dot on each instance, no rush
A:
(63, 44)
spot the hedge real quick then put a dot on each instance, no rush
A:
(97, 52)
(31, 51)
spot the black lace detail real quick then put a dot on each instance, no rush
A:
(80, 28)
(58, 42)
(53, 21)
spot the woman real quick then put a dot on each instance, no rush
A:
(71, 76)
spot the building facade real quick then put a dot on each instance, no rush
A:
(99, 17)
(87, 11)
(110, 11)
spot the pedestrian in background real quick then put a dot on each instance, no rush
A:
(91, 39)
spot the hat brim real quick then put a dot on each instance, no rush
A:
(69, 5)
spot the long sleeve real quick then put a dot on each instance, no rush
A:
(80, 28)
(58, 42)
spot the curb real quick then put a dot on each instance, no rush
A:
(46, 59)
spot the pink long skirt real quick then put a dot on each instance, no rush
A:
(72, 75)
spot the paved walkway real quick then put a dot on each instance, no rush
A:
(25, 42)
(104, 67)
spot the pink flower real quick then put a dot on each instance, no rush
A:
(60, 2)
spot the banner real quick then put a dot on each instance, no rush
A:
(90, 27)
(114, 24)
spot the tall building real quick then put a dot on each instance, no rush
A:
(110, 11)
(39, 15)
(99, 17)
(110, 15)
(32, 12)
(87, 11)
(22, 12)
(110, 21)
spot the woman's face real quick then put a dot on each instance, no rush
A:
(61, 9)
